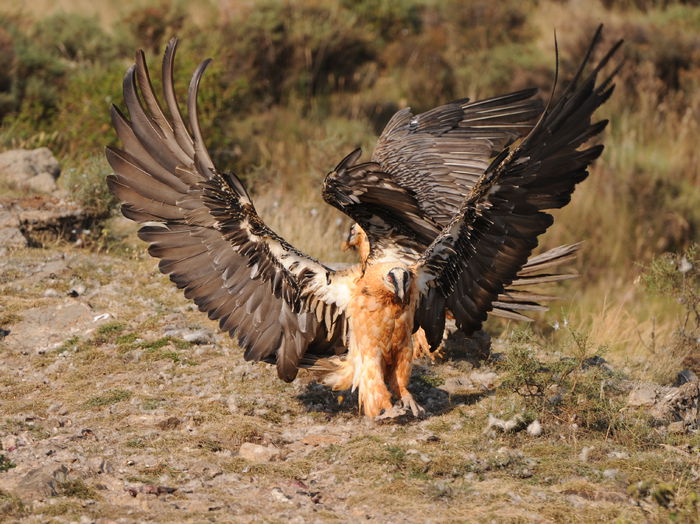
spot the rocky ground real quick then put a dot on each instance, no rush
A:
(121, 402)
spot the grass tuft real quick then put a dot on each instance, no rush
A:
(6, 464)
(112, 396)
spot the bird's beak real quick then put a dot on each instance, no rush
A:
(402, 293)
(402, 296)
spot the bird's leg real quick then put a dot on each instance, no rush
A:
(399, 376)
(373, 393)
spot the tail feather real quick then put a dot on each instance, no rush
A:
(336, 372)
(514, 299)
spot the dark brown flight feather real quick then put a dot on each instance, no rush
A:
(486, 244)
(207, 235)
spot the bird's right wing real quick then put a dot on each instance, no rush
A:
(279, 303)
(486, 244)
(439, 155)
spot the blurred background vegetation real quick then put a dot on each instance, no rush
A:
(296, 85)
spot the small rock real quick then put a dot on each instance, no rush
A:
(685, 376)
(257, 453)
(169, 423)
(42, 482)
(99, 465)
(279, 496)
(54, 408)
(42, 183)
(51, 293)
(232, 404)
(534, 428)
(76, 291)
(150, 489)
(198, 337)
(12, 237)
(35, 168)
(585, 453)
(643, 395)
(174, 332)
(512, 425)
(486, 379)
(457, 385)
(10, 443)
(611, 473)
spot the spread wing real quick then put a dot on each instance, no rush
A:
(484, 246)
(439, 155)
(422, 169)
(279, 303)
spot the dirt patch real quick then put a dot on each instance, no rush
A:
(122, 401)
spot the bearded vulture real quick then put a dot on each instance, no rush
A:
(354, 325)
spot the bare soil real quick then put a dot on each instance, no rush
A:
(122, 403)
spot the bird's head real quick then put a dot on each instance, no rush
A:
(356, 240)
(352, 240)
(398, 281)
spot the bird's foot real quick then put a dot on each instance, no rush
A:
(437, 355)
(407, 402)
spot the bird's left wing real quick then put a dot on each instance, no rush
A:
(279, 303)
(484, 246)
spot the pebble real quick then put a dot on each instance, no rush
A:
(643, 395)
(279, 496)
(585, 453)
(534, 428)
(257, 453)
(51, 293)
(507, 426)
(174, 332)
(198, 337)
(10, 443)
(54, 408)
(610, 473)
(76, 291)
(684, 377)
(99, 465)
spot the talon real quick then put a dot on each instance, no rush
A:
(438, 354)
(417, 410)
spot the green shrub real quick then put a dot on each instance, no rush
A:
(74, 37)
(87, 185)
(677, 276)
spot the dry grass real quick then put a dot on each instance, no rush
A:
(107, 381)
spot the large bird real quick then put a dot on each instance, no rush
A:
(512, 303)
(354, 325)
